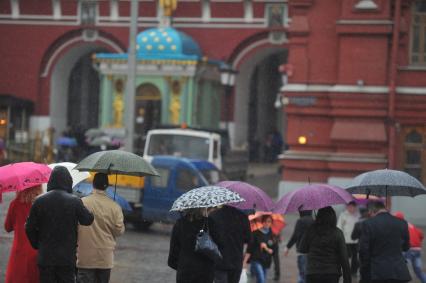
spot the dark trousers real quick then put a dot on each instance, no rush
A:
(322, 278)
(227, 276)
(57, 274)
(276, 259)
(388, 281)
(353, 256)
(93, 275)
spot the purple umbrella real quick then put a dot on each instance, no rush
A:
(255, 198)
(312, 197)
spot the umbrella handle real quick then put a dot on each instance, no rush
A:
(115, 186)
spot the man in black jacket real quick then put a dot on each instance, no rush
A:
(384, 238)
(52, 225)
(235, 229)
(302, 225)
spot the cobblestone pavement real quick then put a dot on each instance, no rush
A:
(142, 256)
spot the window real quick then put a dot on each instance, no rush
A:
(414, 155)
(162, 180)
(88, 12)
(418, 40)
(186, 180)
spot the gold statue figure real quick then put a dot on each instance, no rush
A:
(168, 6)
(118, 104)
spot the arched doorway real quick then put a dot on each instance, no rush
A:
(147, 112)
(256, 116)
(72, 82)
(83, 94)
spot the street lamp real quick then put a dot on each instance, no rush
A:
(227, 79)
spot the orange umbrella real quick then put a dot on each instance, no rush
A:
(278, 221)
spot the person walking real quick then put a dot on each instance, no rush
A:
(96, 243)
(346, 223)
(383, 241)
(236, 226)
(356, 233)
(302, 225)
(191, 266)
(260, 251)
(325, 247)
(414, 254)
(22, 265)
(52, 225)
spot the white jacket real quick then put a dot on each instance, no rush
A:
(346, 223)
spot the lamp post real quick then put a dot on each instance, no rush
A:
(227, 79)
(131, 78)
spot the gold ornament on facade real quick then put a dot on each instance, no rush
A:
(168, 6)
(118, 104)
(175, 104)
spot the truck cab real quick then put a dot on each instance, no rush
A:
(152, 203)
(187, 143)
(211, 146)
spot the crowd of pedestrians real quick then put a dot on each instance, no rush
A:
(59, 237)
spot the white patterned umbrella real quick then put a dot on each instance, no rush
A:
(207, 196)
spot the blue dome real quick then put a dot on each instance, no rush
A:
(166, 43)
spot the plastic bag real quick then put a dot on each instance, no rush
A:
(243, 277)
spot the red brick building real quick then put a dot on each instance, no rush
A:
(351, 95)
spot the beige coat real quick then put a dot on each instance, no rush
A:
(96, 243)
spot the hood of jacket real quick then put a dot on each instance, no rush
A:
(60, 179)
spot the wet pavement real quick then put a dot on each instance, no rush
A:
(142, 256)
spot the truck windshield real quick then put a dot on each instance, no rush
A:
(179, 145)
(213, 176)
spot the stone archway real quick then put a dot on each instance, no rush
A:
(66, 69)
(257, 86)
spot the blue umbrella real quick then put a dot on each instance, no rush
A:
(85, 189)
(66, 141)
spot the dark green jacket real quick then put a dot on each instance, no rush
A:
(327, 253)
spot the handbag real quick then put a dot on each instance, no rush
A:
(205, 245)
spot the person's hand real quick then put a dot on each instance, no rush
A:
(286, 251)
(269, 251)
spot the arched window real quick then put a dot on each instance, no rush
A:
(413, 137)
(418, 33)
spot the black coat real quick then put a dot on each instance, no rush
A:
(52, 224)
(191, 266)
(384, 238)
(327, 252)
(236, 228)
(302, 225)
(256, 252)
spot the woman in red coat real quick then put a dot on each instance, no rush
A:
(22, 266)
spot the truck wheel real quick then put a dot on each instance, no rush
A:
(142, 225)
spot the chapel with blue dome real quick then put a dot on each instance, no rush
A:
(175, 83)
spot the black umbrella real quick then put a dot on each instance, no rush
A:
(385, 183)
(116, 162)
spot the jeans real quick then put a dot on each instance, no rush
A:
(86, 275)
(301, 265)
(259, 271)
(415, 257)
